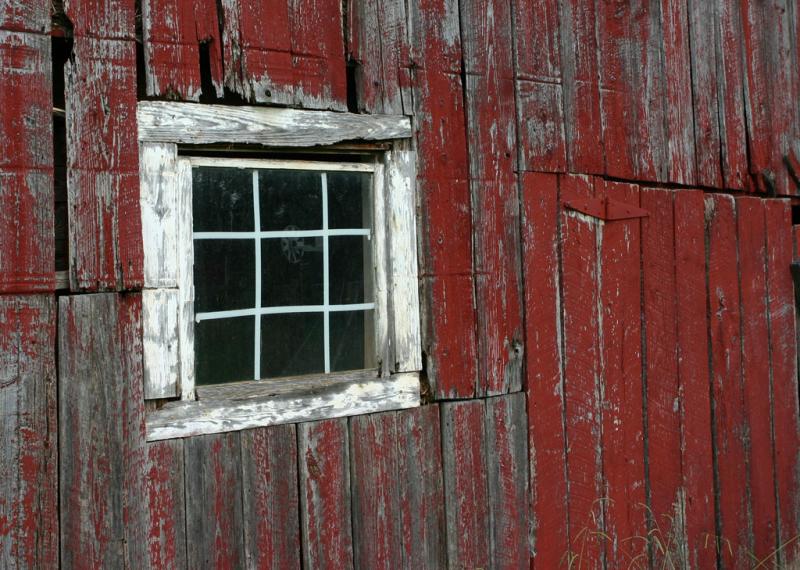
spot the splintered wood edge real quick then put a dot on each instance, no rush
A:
(189, 123)
(263, 405)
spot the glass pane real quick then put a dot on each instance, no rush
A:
(292, 344)
(290, 200)
(223, 350)
(350, 269)
(224, 274)
(352, 340)
(222, 199)
(349, 200)
(291, 271)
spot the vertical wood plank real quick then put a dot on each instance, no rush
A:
(377, 527)
(101, 432)
(214, 519)
(174, 32)
(581, 320)
(465, 485)
(693, 372)
(544, 384)
(26, 161)
(166, 538)
(783, 362)
(730, 455)
(507, 480)
(490, 110)
(95, 19)
(22, 16)
(103, 171)
(160, 343)
(751, 229)
(621, 360)
(270, 497)
(422, 501)
(159, 207)
(446, 264)
(664, 394)
(327, 537)
(28, 454)
(582, 118)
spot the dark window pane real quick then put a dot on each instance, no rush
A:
(352, 344)
(350, 265)
(224, 274)
(291, 271)
(222, 199)
(223, 350)
(292, 344)
(349, 200)
(290, 199)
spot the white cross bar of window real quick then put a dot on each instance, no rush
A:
(285, 234)
(284, 310)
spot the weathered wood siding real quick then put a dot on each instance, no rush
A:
(605, 195)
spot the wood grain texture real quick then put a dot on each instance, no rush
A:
(507, 481)
(621, 390)
(95, 19)
(214, 519)
(301, 64)
(693, 372)
(28, 455)
(22, 16)
(446, 264)
(581, 320)
(105, 236)
(377, 524)
(101, 432)
(271, 504)
(26, 159)
(205, 124)
(159, 201)
(166, 504)
(730, 452)
(783, 364)
(465, 485)
(544, 381)
(325, 510)
(663, 391)
(174, 32)
(422, 500)
(758, 398)
(160, 343)
(487, 38)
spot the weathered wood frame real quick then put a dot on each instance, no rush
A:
(167, 299)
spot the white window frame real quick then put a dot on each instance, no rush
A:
(167, 298)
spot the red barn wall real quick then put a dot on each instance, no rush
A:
(605, 216)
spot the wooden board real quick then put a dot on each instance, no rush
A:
(103, 171)
(271, 504)
(730, 454)
(543, 365)
(491, 137)
(26, 160)
(160, 343)
(693, 374)
(325, 510)
(174, 33)
(422, 501)
(24, 16)
(166, 538)
(445, 238)
(214, 519)
(783, 364)
(758, 406)
(507, 481)
(620, 338)
(465, 485)
(301, 64)
(663, 392)
(28, 454)
(101, 432)
(160, 202)
(580, 297)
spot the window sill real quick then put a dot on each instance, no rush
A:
(246, 405)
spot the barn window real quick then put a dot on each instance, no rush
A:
(279, 286)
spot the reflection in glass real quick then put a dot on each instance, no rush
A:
(290, 199)
(222, 199)
(291, 271)
(223, 350)
(292, 344)
(224, 274)
(352, 340)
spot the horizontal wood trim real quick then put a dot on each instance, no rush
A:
(237, 406)
(187, 123)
